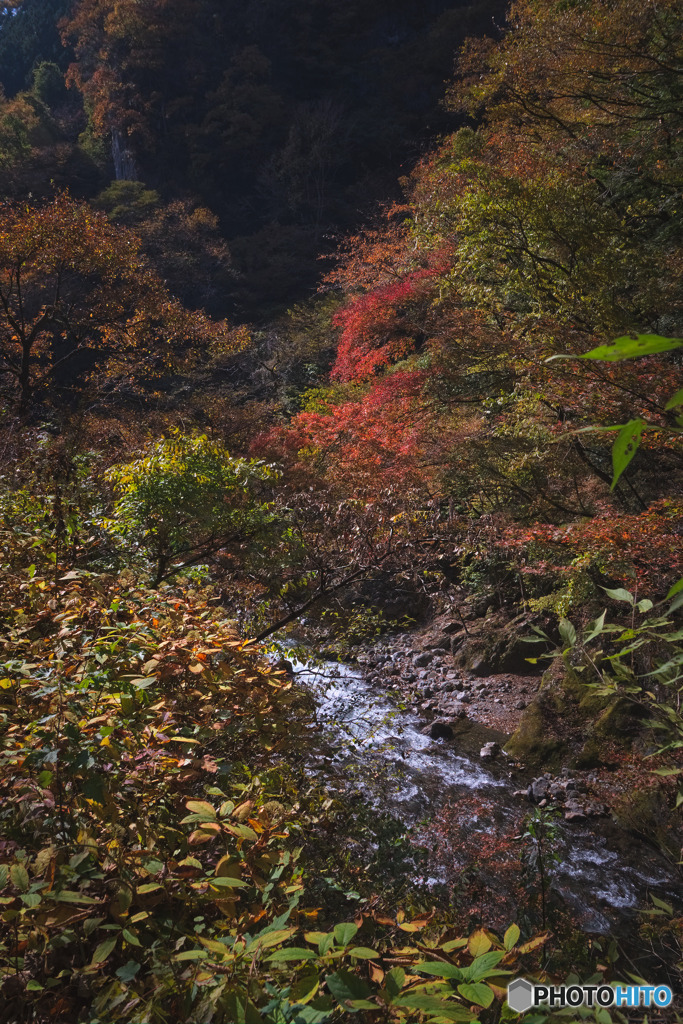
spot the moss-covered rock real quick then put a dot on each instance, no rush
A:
(592, 704)
(470, 736)
(535, 742)
(590, 755)
(621, 720)
(647, 811)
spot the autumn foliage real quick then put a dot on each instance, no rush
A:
(544, 231)
(77, 297)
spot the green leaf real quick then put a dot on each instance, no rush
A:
(226, 882)
(292, 953)
(104, 950)
(67, 896)
(511, 937)
(312, 1015)
(148, 887)
(676, 589)
(483, 965)
(34, 986)
(30, 899)
(433, 1004)
(440, 970)
(452, 944)
(645, 605)
(192, 954)
(19, 876)
(625, 447)
(631, 348)
(567, 632)
(477, 993)
(620, 595)
(675, 400)
(343, 933)
(363, 953)
(343, 985)
(128, 971)
(205, 810)
(131, 938)
(595, 628)
(94, 788)
(394, 981)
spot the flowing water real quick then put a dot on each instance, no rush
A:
(605, 874)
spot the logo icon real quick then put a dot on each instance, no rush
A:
(520, 995)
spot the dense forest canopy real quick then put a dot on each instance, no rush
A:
(335, 326)
(288, 121)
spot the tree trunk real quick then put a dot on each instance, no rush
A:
(25, 381)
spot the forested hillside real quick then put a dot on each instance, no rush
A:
(347, 335)
(287, 121)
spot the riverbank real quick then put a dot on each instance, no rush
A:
(443, 710)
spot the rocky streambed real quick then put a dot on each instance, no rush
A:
(420, 736)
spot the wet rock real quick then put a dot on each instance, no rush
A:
(489, 751)
(577, 815)
(577, 785)
(480, 667)
(442, 644)
(466, 698)
(440, 729)
(538, 790)
(533, 742)
(520, 705)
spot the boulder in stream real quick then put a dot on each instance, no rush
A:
(440, 729)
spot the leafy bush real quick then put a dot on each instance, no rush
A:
(186, 497)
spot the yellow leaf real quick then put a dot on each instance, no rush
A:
(197, 838)
(511, 937)
(243, 811)
(376, 974)
(538, 940)
(479, 943)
